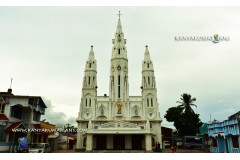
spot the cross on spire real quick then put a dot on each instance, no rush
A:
(119, 14)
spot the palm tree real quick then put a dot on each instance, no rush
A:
(187, 102)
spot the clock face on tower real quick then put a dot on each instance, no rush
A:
(119, 67)
(150, 115)
(87, 115)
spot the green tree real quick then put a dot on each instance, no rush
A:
(186, 121)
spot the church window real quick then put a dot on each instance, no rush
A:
(148, 80)
(144, 82)
(119, 51)
(86, 103)
(151, 102)
(148, 65)
(118, 86)
(147, 102)
(152, 81)
(90, 102)
(89, 80)
(90, 64)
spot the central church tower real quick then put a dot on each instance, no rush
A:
(119, 89)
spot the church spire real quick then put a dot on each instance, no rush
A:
(147, 62)
(91, 64)
(148, 78)
(146, 54)
(119, 26)
(119, 49)
(90, 73)
(91, 55)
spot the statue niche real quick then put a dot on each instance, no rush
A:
(101, 111)
(119, 108)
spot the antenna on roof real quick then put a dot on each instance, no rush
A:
(11, 83)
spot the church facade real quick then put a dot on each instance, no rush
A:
(118, 121)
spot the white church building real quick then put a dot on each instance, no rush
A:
(118, 121)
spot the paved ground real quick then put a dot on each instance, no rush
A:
(168, 150)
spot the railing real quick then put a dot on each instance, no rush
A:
(236, 150)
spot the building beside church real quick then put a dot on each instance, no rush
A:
(118, 121)
(225, 136)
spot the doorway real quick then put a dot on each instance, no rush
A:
(118, 142)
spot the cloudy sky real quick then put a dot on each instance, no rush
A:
(44, 50)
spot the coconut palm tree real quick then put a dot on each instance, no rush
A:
(187, 102)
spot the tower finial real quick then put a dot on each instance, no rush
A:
(119, 14)
(11, 83)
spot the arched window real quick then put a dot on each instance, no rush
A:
(147, 102)
(90, 102)
(152, 81)
(148, 80)
(144, 82)
(89, 80)
(151, 102)
(119, 51)
(86, 102)
(148, 65)
(119, 86)
(90, 64)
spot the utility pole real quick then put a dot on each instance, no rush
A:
(67, 135)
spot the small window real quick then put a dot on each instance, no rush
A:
(89, 80)
(16, 112)
(2, 107)
(36, 116)
(90, 65)
(119, 51)
(90, 102)
(148, 80)
(147, 102)
(151, 102)
(86, 103)
(148, 65)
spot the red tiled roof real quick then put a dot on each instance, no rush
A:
(13, 126)
(3, 117)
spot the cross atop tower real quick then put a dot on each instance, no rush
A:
(119, 14)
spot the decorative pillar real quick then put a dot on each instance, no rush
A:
(148, 142)
(89, 142)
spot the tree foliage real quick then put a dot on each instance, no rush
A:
(186, 121)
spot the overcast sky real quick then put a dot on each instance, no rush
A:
(44, 50)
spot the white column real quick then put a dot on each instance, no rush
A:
(89, 142)
(79, 138)
(128, 141)
(148, 142)
(109, 141)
